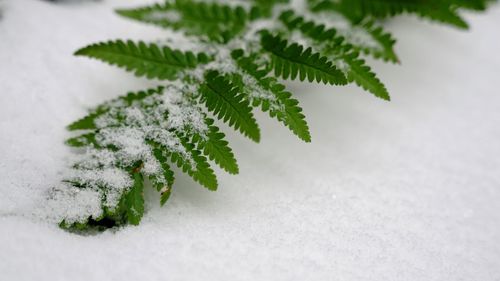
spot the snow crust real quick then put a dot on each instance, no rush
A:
(406, 190)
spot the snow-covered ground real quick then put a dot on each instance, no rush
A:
(406, 190)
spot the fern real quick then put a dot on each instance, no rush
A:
(134, 200)
(362, 75)
(242, 51)
(216, 148)
(384, 47)
(144, 60)
(445, 11)
(292, 60)
(338, 51)
(221, 98)
(211, 21)
(275, 98)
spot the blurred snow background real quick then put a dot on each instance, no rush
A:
(406, 190)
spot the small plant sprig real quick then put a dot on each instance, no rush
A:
(241, 51)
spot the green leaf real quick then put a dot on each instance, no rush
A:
(164, 179)
(279, 102)
(265, 7)
(385, 48)
(82, 140)
(361, 74)
(134, 200)
(143, 59)
(213, 21)
(221, 98)
(165, 195)
(203, 173)
(338, 51)
(217, 148)
(88, 122)
(292, 61)
(195, 166)
(167, 173)
(145, 134)
(85, 123)
(444, 11)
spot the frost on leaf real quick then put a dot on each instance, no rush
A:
(227, 59)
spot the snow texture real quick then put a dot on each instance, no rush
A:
(400, 190)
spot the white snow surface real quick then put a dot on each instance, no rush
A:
(400, 190)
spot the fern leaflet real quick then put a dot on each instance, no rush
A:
(143, 59)
(222, 98)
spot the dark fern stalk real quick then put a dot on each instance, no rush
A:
(244, 49)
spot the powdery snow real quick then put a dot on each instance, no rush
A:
(406, 190)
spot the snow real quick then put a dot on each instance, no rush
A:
(400, 190)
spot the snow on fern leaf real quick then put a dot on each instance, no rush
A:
(226, 59)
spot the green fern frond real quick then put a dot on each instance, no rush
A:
(291, 61)
(213, 21)
(164, 179)
(375, 41)
(143, 135)
(445, 11)
(216, 148)
(133, 201)
(144, 59)
(221, 98)
(358, 72)
(199, 168)
(85, 123)
(272, 97)
(134, 137)
(265, 7)
(344, 55)
(476, 5)
(385, 47)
